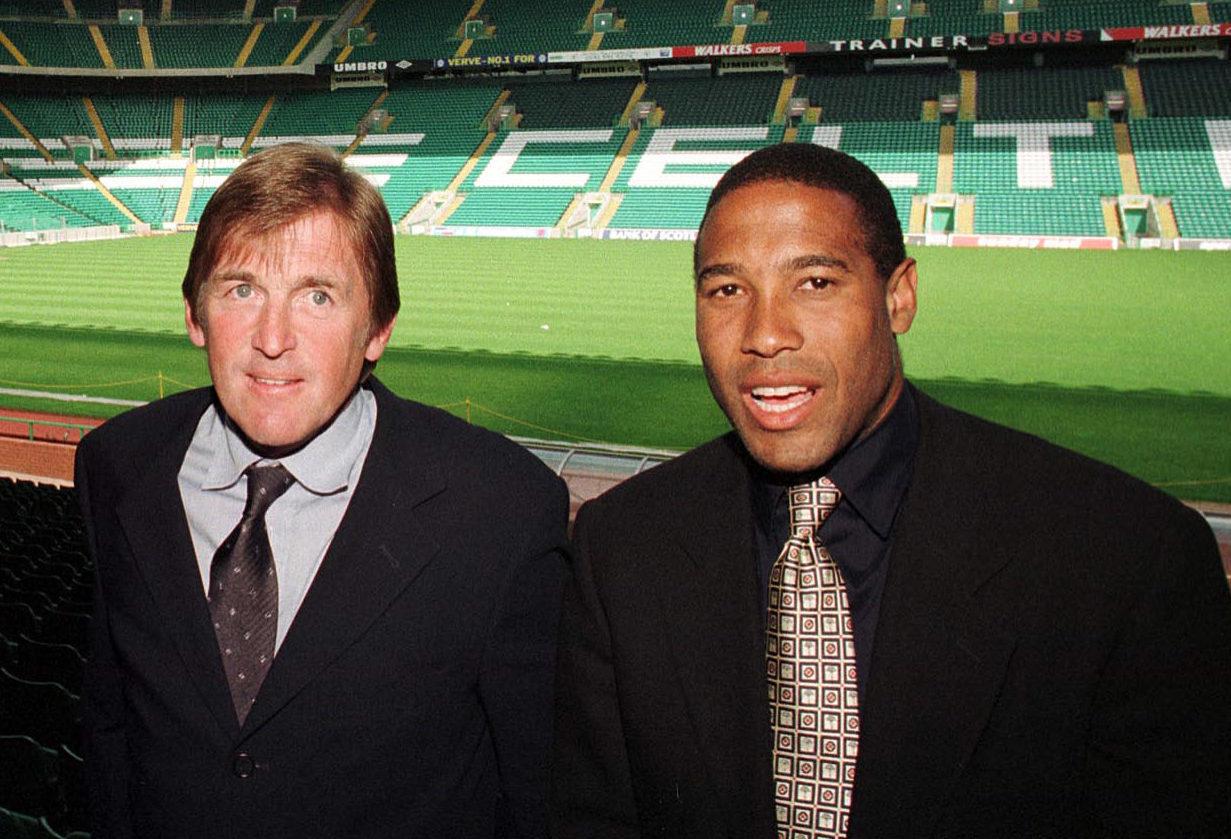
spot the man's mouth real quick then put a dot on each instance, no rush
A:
(779, 400)
(272, 382)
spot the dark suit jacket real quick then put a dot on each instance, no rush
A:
(412, 694)
(1053, 656)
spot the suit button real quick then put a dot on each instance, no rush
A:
(244, 765)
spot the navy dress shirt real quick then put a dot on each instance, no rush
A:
(873, 476)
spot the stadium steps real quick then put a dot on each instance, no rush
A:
(147, 50)
(1201, 13)
(1111, 217)
(964, 214)
(13, 51)
(566, 218)
(255, 130)
(427, 210)
(185, 199)
(1136, 95)
(918, 213)
(302, 44)
(106, 193)
(1012, 22)
(464, 47)
(495, 106)
(621, 158)
(609, 211)
(448, 209)
(100, 130)
(354, 144)
(633, 99)
(897, 27)
(245, 51)
(177, 126)
(1124, 156)
(471, 162)
(361, 136)
(784, 97)
(967, 95)
(944, 159)
(100, 44)
(358, 20)
(1167, 225)
(25, 132)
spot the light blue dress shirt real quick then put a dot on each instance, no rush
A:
(302, 522)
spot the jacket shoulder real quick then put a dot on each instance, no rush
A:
(1004, 466)
(665, 490)
(469, 452)
(134, 437)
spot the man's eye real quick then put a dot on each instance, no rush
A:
(242, 291)
(318, 298)
(726, 290)
(818, 283)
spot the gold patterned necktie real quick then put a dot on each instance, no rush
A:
(810, 662)
(243, 590)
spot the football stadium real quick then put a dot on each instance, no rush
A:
(1061, 170)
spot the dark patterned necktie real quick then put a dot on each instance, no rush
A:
(810, 661)
(243, 590)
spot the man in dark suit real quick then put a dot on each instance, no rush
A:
(863, 613)
(384, 666)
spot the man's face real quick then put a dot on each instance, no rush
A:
(285, 323)
(795, 326)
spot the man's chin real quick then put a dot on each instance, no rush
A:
(275, 442)
(783, 454)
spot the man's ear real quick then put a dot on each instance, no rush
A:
(900, 296)
(378, 340)
(196, 332)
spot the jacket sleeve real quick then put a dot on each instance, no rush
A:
(1159, 759)
(519, 661)
(105, 742)
(592, 791)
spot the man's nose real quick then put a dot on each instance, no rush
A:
(274, 333)
(771, 328)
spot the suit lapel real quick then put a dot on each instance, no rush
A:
(712, 613)
(380, 547)
(152, 517)
(941, 650)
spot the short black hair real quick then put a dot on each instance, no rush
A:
(823, 168)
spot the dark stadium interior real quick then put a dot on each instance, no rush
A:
(136, 95)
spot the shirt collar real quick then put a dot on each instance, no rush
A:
(323, 466)
(873, 474)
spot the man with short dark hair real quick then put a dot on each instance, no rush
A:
(321, 610)
(864, 614)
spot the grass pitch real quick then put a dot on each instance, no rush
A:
(1122, 355)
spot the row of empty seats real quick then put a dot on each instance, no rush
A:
(45, 584)
(417, 138)
(173, 45)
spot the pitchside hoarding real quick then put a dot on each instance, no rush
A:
(880, 46)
